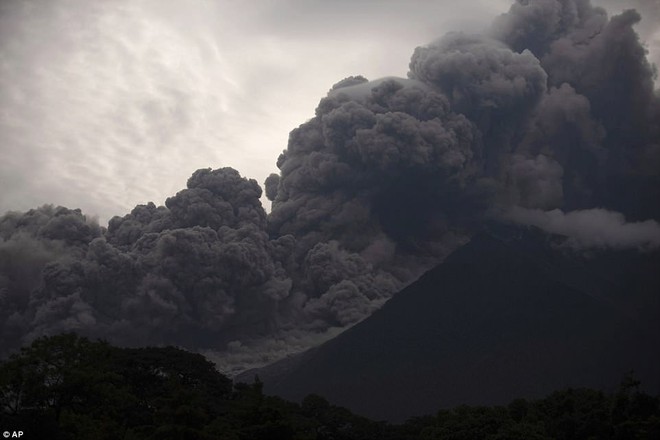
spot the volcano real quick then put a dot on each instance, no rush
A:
(511, 314)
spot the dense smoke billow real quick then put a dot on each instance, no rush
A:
(549, 119)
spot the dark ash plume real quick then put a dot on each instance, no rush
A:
(550, 120)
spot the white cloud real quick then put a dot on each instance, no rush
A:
(106, 105)
(109, 104)
(593, 228)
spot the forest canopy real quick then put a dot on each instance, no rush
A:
(66, 387)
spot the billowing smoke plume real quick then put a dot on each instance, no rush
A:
(548, 117)
(593, 228)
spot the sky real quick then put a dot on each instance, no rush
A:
(106, 105)
(547, 118)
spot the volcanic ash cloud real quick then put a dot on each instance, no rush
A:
(550, 119)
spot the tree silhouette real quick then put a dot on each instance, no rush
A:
(67, 387)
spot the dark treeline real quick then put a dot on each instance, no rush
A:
(68, 387)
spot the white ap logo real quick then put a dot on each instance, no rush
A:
(13, 434)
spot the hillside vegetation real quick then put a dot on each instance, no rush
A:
(68, 387)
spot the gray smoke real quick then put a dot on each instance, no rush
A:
(593, 228)
(600, 120)
(548, 117)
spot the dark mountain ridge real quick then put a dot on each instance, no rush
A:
(510, 314)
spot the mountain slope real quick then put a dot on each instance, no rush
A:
(501, 318)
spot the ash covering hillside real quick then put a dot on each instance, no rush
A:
(550, 118)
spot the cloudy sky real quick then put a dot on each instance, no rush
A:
(108, 104)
